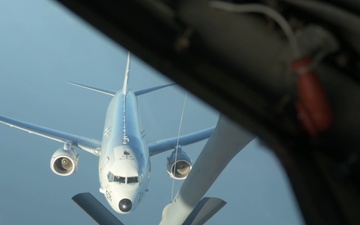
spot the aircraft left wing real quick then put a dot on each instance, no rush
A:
(87, 144)
(170, 143)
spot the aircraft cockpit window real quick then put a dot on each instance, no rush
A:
(132, 180)
(113, 178)
(119, 179)
(110, 177)
(141, 177)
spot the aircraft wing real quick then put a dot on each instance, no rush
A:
(90, 145)
(95, 209)
(170, 143)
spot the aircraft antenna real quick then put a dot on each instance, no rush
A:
(177, 143)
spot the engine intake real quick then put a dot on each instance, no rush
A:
(64, 162)
(179, 165)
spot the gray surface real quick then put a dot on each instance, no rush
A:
(42, 47)
(95, 209)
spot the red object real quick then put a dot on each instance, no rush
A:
(315, 114)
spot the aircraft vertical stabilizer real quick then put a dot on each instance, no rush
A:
(126, 78)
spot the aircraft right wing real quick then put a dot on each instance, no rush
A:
(170, 143)
(90, 145)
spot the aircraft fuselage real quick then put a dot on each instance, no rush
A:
(124, 165)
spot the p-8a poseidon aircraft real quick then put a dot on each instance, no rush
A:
(124, 156)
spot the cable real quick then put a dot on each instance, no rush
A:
(177, 143)
(257, 8)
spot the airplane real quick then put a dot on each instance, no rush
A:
(124, 155)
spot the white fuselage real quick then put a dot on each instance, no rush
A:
(124, 165)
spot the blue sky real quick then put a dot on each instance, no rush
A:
(41, 47)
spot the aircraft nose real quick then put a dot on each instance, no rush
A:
(125, 205)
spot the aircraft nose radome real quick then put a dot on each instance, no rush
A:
(125, 205)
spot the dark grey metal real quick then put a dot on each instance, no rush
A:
(204, 210)
(95, 209)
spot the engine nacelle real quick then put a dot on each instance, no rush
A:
(179, 165)
(64, 162)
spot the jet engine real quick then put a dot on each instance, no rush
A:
(64, 162)
(179, 164)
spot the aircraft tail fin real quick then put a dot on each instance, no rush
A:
(126, 78)
(125, 84)
(103, 91)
